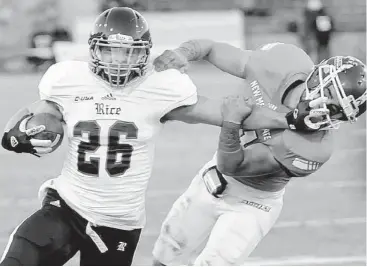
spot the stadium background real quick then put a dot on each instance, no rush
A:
(324, 216)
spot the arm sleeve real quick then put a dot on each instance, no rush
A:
(50, 86)
(230, 153)
(302, 155)
(178, 90)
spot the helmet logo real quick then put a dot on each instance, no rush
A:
(338, 62)
(119, 37)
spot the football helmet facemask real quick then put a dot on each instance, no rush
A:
(341, 82)
(119, 46)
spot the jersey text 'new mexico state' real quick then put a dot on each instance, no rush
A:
(111, 138)
(269, 72)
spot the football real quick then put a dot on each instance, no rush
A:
(54, 129)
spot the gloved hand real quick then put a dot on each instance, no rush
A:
(19, 139)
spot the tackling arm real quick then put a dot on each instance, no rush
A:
(208, 111)
(224, 56)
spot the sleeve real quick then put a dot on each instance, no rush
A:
(229, 153)
(302, 155)
(177, 91)
(51, 83)
(296, 165)
(273, 64)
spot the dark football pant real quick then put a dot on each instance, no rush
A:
(53, 235)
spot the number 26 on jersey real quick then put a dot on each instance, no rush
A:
(93, 129)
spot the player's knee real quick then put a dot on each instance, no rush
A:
(10, 261)
(21, 252)
(29, 243)
(165, 251)
(209, 258)
(213, 260)
(161, 251)
(157, 263)
(215, 257)
(171, 239)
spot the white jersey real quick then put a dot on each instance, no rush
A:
(111, 139)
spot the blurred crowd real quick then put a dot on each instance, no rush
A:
(317, 29)
(314, 24)
(135, 4)
(43, 23)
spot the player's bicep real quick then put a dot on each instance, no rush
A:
(229, 59)
(205, 111)
(258, 160)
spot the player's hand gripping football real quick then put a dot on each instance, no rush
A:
(172, 59)
(19, 139)
(307, 115)
(236, 108)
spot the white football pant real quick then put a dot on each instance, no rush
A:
(203, 230)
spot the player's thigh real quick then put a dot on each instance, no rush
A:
(121, 246)
(187, 226)
(235, 235)
(44, 238)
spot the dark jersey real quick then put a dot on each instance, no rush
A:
(269, 73)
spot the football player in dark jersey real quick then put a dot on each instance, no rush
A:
(236, 197)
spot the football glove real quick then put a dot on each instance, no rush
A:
(304, 116)
(19, 139)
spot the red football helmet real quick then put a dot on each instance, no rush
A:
(119, 46)
(341, 80)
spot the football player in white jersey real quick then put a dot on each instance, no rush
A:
(236, 198)
(113, 109)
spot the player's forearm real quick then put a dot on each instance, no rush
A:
(265, 118)
(230, 153)
(208, 111)
(41, 106)
(196, 49)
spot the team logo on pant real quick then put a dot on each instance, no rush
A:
(121, 246)
(256, 205)
(13, 141)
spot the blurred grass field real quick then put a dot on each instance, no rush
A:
(324, 216)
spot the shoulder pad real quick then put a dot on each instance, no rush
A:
(65, 80)
(172, 88)
(61, 78)
(276, 66)
(175, 81)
